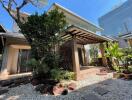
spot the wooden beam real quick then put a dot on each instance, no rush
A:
(87, 39)
(20, 46)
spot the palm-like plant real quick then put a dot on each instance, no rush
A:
(117, 55)
(114, 53)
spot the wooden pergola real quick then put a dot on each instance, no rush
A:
(81, 36)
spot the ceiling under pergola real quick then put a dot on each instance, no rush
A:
(83, 36)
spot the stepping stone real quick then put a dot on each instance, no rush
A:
(100, 91)
(90, 97)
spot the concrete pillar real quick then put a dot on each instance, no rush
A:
(75, 59)
(12, 60)
(104, 59)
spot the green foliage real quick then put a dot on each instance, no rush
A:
(69, 75)
(113, 50)
(39, 68)
(59, 74)
(43, 33)
(93, 51)
(121, 57)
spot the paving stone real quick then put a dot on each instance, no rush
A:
(90, 97)
(101, 91)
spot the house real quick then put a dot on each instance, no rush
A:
(79, 33)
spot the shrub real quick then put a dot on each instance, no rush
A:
(69, 75)
(40, 69)
(59, 74)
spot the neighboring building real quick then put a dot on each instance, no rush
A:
(79, 32)
(117, 21)
(127, 38)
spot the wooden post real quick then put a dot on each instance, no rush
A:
(75, 59)
(85, 57)
(104, 59)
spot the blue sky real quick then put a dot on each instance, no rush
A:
(89, 9)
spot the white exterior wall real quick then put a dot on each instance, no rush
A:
(73, 19)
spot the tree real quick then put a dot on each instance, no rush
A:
(43, 34)
(16, 5)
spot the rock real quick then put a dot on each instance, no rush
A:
(72, 86)
(23, 80)
(65, 92)
(39, 87)
(2, 91)
(13, 85)
(58, 90)
(48, 89)
(48, 81)
(35, 82)
(44, 89)
(6, 83)
(100, 91)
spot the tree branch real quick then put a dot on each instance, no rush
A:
(9, 4)
(14, 2)
(23, 4)
(2, 3)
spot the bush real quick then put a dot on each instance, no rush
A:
(59, 74)
(40, 69)
(69, 75)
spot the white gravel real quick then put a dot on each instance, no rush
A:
(117, 90)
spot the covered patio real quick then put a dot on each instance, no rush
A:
(76, 38)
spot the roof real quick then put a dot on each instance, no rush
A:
(83, 36)
(112, 38)
(12, 34)
(127, 36)
(2, 29)
(77, 16)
